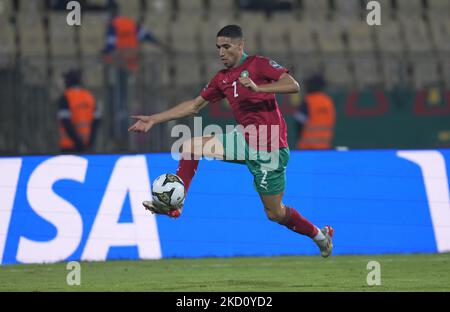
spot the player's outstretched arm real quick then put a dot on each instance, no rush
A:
(286, 84)
(184, 109)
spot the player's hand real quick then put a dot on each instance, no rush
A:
(248, 83)
(143, 124)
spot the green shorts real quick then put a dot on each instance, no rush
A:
(268, 168)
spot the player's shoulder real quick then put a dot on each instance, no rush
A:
(213, 81)
(256, 62)
(264, 60)
(261, 58)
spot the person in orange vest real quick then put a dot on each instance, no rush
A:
(316, 117)
(121, 52)
(78, 116)
(123, 37)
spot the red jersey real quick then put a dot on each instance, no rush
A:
(249, 107)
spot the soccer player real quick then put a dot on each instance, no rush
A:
(249, 83)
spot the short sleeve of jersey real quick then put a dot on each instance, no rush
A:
(211, 91)
(270, 69)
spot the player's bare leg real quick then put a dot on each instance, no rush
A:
(192, 150)
(278, 212)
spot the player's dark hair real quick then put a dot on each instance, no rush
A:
(231, 31)
(315, 83)
(114, 8)
(72, 78)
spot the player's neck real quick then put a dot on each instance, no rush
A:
(242, 60)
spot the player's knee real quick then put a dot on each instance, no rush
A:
(274, 215)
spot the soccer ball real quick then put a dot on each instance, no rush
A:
(168, 192)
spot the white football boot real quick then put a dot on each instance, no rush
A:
(173, 213)
(326, 245)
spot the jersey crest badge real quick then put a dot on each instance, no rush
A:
(244, 73)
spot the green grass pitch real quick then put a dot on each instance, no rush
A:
(418, 272)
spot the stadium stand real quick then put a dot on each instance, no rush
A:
(185, 41)
(133, 9)
(63, 57)
(366, 70)
(316, 9)
(32, 35)
(158, 23)
(190, 8)
(302, 37)
(274, 41)
(425, 73)
(360, 38)
(337, 64)
(416, 34)
(440, 30)
(411, 49)
(347, 9)
(93, 75)
(33, 47)
(32, 7)
(329, 27)
(8, 40)
(439, 8)
(389, 37)
(411, 9)
(252, 23)
(60, 32)
(387, 9)
(5, 9)
(208, 37)
(221, 6)
(330, 35)
(445, 66)
(92, 36)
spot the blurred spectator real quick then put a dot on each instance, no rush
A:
(77, 115)
(121, 51)
(122, 39)
(315, 117)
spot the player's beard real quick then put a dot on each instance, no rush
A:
(229, 64)
(226, 63)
